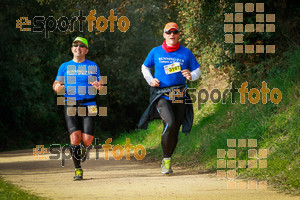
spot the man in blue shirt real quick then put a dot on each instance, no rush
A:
(173, 64)
(79, 79)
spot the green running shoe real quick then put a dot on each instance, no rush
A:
(78, 174)
(166, 166)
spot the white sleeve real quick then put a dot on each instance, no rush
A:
(195, 74)
(147, 74)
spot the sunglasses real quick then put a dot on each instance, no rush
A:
(80, 45)
(174, 32)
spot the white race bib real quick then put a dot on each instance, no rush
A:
(92, 109)
(172, 68)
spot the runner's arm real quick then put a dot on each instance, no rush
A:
(97, 84)
(153, 82)
(57, 86)
(147, 74)
(195, 74)
(191, 75)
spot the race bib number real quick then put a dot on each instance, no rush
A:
(92, 109)
(172, 68)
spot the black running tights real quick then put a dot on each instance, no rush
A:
(172, 115)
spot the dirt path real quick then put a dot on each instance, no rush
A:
(111, 179)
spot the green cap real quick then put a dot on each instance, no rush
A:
(83, 40)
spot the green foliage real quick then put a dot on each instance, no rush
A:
(202, 25)
(9, 191)
(143, 137)
(282, 135)
(275, 127)
(202, 31)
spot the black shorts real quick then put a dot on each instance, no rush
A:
(84, 123)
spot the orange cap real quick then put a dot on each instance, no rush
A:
(170, 25)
